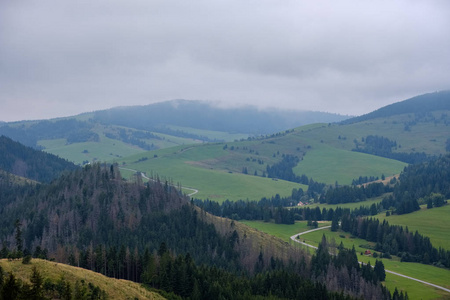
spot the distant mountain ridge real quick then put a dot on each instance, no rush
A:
(419, 104)
(203, 115)
(122, 131)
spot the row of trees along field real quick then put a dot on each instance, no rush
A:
(284, 170)
(350, 194)
(381, 146)
(396, 240)
(268, 209)
(133, 137)
(425, 181)
(92, 218)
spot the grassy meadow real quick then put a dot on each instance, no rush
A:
(213, 135)
(106, 149)
(330, 165)
(185, 167)
(351, 205)
(216, 169)
(282, 231)
(426, 136)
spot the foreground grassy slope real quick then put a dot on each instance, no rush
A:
(115, 288)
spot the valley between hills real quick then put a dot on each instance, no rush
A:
(157, 203)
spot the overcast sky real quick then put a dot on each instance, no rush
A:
(60, 58)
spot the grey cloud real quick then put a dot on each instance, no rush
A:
(347, 57)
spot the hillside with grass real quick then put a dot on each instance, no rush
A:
(57, 277)
(239, 170)
(332, 153)
(433, 102)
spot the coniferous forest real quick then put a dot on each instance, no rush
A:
(29, 163)
(152, 234)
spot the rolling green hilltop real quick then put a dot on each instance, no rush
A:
(330, 153)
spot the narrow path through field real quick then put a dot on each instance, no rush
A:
(296, 238)
(194, 191)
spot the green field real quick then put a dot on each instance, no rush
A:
(216, 169)
(428, 222)
(184, 165)
(415, 290)
(351, 205)
(217, 135)
(106, 149)
(432, 223)
(281, 231)
(426, 136)
(330, 165)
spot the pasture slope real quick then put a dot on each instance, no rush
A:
(235, 170)
(182, 165)
(324, 150)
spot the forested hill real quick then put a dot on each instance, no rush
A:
(428, 181)
(94, 206)
(150, 233)
(23, 161)
(419, 104)
(203, 115)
